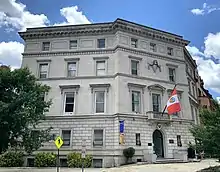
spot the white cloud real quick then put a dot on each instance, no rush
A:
(206, 9)
(10, 53)
(208, 70)
(212, 45)
(14, 15)
(73, 16)
(197, 11)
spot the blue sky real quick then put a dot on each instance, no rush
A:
(196, 20)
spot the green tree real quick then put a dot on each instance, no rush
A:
(207, 135)
(22, 108)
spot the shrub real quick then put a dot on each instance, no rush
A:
(75, 160)
(129, 153)
(12, 159)
(44, 159)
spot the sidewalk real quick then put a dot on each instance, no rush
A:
(179, 167)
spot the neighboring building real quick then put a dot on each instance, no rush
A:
(101, 74)
(205, 98)
(192, 77)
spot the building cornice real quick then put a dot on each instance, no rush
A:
(103, 28)
(102, 51)
(112, 76)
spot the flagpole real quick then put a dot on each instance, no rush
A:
(166, 105)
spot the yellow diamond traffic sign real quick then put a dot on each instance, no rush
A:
(58, 142)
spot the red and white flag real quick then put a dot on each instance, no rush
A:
(173, 104)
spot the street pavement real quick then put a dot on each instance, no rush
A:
(179, 167)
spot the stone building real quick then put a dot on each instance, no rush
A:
(104, 73)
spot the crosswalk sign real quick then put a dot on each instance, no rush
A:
(58, 142)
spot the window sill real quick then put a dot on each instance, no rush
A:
(68, 114)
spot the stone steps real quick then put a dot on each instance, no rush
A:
(168, 161)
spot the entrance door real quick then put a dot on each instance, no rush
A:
(158, 143)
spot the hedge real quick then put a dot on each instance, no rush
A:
(74, 160)
(44, 159)
(12, 159)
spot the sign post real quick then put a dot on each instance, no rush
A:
(83, 155)
(58, 142)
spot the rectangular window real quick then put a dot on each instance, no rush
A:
(43, 70)
(66, 135)
(193, 115)
(189, 83)
(73, 44)
(179, 143)
(156, 100)
(98, 137)
(153, 47)
(172, 74)
(71, 69)
(100, 101)
(101, 43)
(138, 139)
(134, 67)
(100, 68)
(69, 102)
(134, 42)
(46, 46)
(97, 163)
(169, 51)
(136, 101)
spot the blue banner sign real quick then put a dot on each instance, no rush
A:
(121, 126)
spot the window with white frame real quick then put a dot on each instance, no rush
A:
(134, 42)
(136, 102)
(170, 51)
(71, 69)
(99, 101)
(73, 44)
(98, 137)
(43, 70)
(69, 102)
(66, 136)
(172, 74)
(153, 47)
(156, 102)
(134, 67)
(45, 46)
(101, 43)
(138, 139)
(100, 67)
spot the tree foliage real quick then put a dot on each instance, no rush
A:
(22, 108)
(207, 135)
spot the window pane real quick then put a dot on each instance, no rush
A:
(99, 107)
(134, 43)
(66, 134)
(100, 96)
(134, 67)
(43, 70)
(73, 44)
(46, 46)
(72, 69)
(156, 102)
(135, 101)
(100, 64)
(100, 101)
(101, 43)
(69, 106)
(72, 66)
(70, 98)
(98, 135)
(100, 72)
